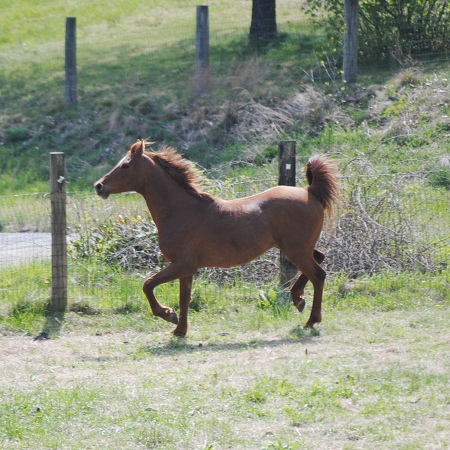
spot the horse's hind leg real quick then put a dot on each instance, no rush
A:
(314, 273)
(317, 276)
(298, 288)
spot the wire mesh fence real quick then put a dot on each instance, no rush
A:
(387, 222)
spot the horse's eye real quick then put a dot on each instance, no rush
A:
(125, 166)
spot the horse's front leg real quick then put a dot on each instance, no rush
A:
(185, 299)
(170, 273)
(158, 310)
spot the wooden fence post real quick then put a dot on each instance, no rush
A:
(59, 232)
(350, 62)
(286, 177)
(70, 92)
(202, 50)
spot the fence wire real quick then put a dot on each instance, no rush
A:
(385, 223)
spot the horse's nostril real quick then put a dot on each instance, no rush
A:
(102, 190)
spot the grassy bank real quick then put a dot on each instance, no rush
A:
(137, 78)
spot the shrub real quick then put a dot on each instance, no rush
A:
(16, 134)
(439, 176)
(379, 228)
(395, 28)
(128, 242)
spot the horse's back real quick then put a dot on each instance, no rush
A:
(290, 202)
(274, 206)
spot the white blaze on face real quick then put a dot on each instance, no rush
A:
(121, 161)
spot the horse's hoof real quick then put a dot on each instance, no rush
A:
(301, 305)
(310, 325)
(178, 334)
(174, 318)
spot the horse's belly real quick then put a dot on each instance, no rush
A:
(234, 252)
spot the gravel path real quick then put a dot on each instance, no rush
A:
(17, 248)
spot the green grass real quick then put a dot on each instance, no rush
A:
(247, 376)
(386, 292)
(29, 212)
(101, 296)
(368, 378)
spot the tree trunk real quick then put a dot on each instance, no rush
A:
(350, 40)
(264, 24)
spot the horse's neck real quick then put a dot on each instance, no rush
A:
(165, 198)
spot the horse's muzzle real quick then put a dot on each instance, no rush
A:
(102, 190)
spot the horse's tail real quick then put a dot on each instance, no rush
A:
(322, 176)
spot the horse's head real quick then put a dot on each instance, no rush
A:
(125, 177)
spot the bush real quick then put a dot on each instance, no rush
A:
(14, 135)
(390, 27)
(128, 242)
(382, 226)
(440, 176)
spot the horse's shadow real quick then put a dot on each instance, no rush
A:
(182, 345)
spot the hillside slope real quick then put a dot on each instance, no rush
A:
(136, 81)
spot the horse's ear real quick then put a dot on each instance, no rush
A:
(137, 149)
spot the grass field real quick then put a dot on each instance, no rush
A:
(366, 380)
(106, 374)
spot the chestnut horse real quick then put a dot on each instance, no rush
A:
(196, 229)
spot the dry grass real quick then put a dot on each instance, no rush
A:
(380, 228)
(246, 118)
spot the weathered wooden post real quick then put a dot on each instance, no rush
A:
(350, 63)
(286, 177)
(59, 232)
(70, 92)
(202, 50)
